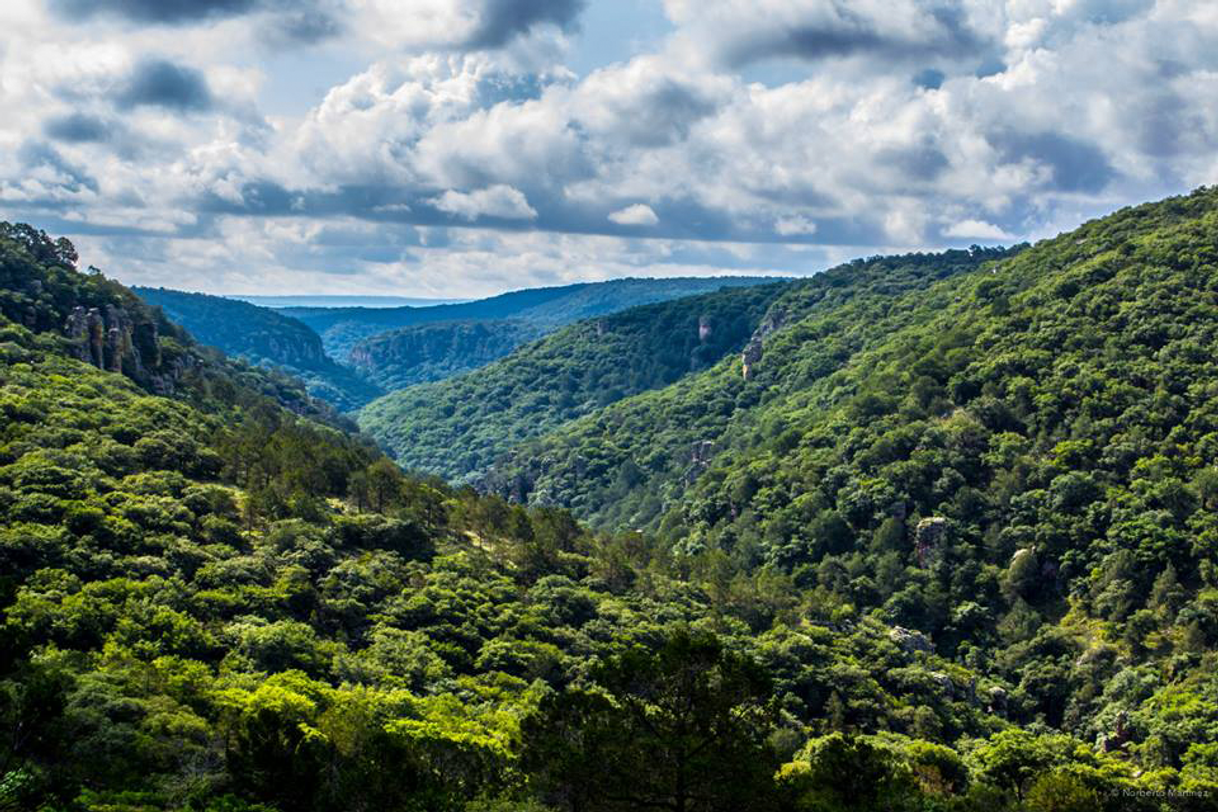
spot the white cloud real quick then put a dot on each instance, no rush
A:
(977, 229)
(794, 224)
(639, 214)
(899, 125)
(495, 201)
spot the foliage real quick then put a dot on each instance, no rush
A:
(571, 373)
(433, 351)
(264, 337)
(214, 597)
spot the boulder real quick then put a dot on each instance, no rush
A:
(929, 535)
(910, 640)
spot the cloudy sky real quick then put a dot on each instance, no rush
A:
(464, 147)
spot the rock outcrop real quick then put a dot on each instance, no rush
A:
(700, 454)
(111, 338)
(755, 349)
(929, 535)
(910, 640)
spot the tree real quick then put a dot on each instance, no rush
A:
(681, 728)
(849, 773)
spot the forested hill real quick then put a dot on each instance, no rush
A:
(264, 337)
(213, 603)
(456, 428)
(546, 308)
(437, 350)
(1018, 462)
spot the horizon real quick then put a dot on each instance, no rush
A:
(262, 299)
(488, 146)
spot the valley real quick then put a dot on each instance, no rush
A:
(929, 531)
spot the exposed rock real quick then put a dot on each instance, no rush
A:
(111, 339)
(1022, 553)
(1116, 739)
(928, 539)
(700, 454)
(944, 683)
(910, 640)
(998, 700)
(754, 350)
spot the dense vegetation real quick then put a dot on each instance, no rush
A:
(433, 351)
(1018, 462)
(458, 427)
(212, 602)
(341, 328)
(267, 338)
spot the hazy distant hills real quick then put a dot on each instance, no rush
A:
(458, 426)
(548, 308)
(264, 337)
(351, 355)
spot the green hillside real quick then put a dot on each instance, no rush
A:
(458, 427)
(546, 308)
(436, 350)
(971, 570)
(264, 337)
(1017, 461)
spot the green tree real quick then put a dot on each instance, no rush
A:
(682, 728)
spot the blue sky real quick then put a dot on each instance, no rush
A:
(464, 147)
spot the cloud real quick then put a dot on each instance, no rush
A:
(169, 12)
(749, 134)
(739, 33)
(795, 225)
(279, 23)
(300, 25)
(1074, 165)
(463, 25)
(77, 128)
(498, 21)
(637, 215)
(977, 229)
(49, 166)
(498, 201)
(165, 84)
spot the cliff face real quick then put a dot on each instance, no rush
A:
(756, 346)
(258, 334)
(115, 339)
(430, 352)
(265, 338)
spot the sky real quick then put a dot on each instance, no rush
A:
(459, 148)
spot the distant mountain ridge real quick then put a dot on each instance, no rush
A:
(323, 300)
(264, 337)
(433, 351)
(342, 328)
(350, 356)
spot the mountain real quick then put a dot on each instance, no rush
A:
(547, 308)
(264, 337)
(435, 350)
(1015, 460)
(457, 427)
(974, 570)
(621, 465)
